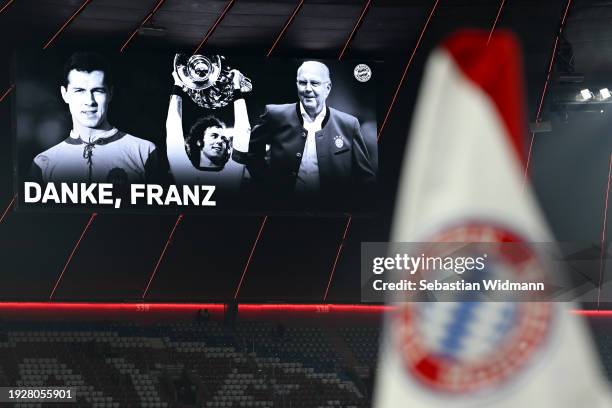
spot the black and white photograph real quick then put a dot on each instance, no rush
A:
(201, 132)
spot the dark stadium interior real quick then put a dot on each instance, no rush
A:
(143, 355)
(119, 252)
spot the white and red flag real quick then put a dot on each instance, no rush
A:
(462, 181)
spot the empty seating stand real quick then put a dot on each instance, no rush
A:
(182, 364)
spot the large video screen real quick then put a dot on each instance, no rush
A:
(207, 133)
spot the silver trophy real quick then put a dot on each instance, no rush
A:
(208, 80)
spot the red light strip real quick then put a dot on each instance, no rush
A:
(93, 215)
(366, 7)
(314, 308)
(214, 26)
(259, 307)
(246, 266)
(63, 27)
(603, 233)
(263, 223)
(501, 6)
(593, 313)
(331, 275)
(4, 95)
(84, 306)
(553, 58)
(76, 246)
(285, 27)
(229, 5)
(350, 217)
(8, 3)
(157, 6)
(545, 87)
(8, 207)
(7, 92)
(399, 85)
(401, 81)
(161, 256)
(180, 217)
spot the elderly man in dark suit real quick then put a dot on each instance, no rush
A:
(315, 151)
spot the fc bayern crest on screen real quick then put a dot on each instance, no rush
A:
(468, 347)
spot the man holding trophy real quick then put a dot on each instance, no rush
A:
(205, 156)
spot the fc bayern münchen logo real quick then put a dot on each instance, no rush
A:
(338, 141)
(362, 73)
(471, 347)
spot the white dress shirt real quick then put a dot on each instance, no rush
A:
(307, 182)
